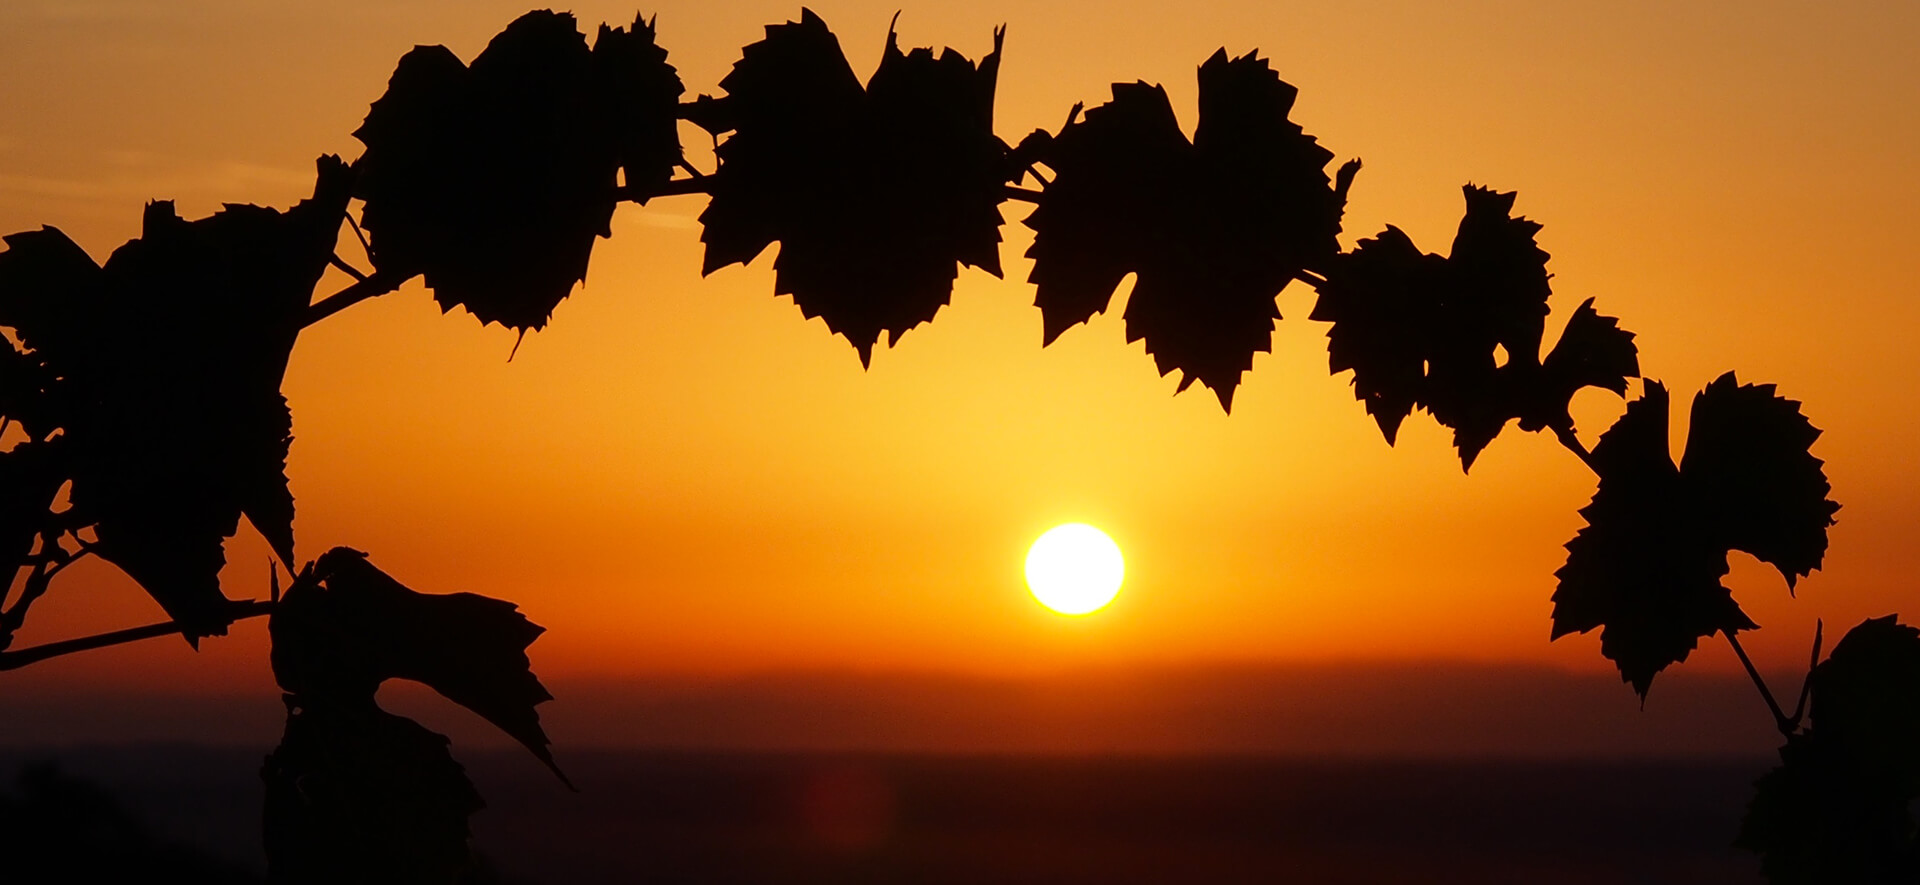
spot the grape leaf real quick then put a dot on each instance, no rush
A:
(1213, 229)
(356, 794)
(1646, 569)
(1378, 299)
(49, 292)
(1421, 331)
(1593, 351)
(1866, 701)
(1738, 433)
(642, 95)
(494, 179)
(345, 626)
(1098, 216)
(1839, 808)
(875, 194)
(49, 296)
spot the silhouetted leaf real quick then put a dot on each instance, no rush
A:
(1647, 566)
(1423, 331)
(1115, 172)
(1839, 809)
(49, 292)
(1593, 351)
(355, 794)
(493, 180)
(1740, 434)
(50, 297)
(1378, 298)
(642, 95)
(874, 194)
(1866, 700)
(345, 627)
(1213, 228)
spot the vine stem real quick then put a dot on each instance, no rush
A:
(13, 660)
(1813, 663)
(378, 283)
(45, 566)
(1781, 721)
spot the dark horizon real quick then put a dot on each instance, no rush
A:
(680, 817)
(1413, 710)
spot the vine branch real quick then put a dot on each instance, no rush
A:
(13, 660)
(1572, 443)
(359, 276)
(1806, 685)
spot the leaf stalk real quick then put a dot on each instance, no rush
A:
(1781, 721)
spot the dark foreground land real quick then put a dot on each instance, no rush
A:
(691, 818)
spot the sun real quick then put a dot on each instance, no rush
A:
(1075, 569)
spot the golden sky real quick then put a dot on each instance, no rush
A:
(682, 476)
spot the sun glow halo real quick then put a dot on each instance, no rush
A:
(1074, 569)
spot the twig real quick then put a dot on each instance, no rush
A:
(346, 268)
(1787, 726)
(359, 235)
(380, 283)
(1022, 194)
(49, 562)
(1806, 685)
(13, 660)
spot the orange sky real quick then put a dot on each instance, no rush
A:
(681, 476)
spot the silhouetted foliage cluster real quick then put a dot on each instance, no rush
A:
(355, 793)
(56, 829)
(152, 385)
(1423, 331)
(1840, 808)
(148, 387)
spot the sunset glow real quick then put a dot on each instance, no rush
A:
(684, 478)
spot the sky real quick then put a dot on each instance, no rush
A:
(687, 483)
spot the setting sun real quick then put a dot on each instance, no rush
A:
(1075, 569)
